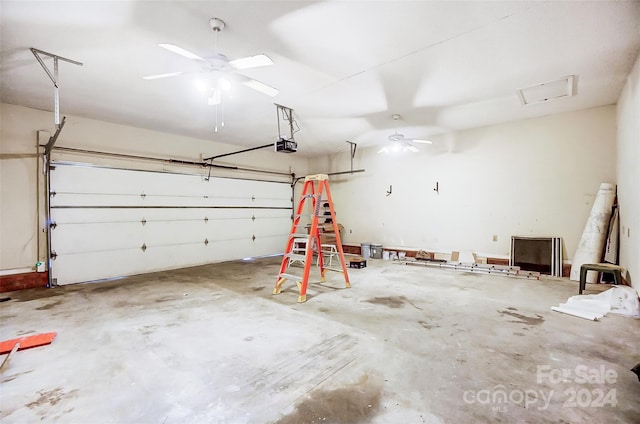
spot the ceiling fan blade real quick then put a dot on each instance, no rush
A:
(251, 62)
(158, 76)
(410, 147)
(261, 87)
(421, 140)
(182, 52)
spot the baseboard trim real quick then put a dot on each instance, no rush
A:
(23, 281)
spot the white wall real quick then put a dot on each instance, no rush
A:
(533, 177)
(22, 242)
(537, 177)
(628, 114)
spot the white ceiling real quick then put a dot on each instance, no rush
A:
(344, 66)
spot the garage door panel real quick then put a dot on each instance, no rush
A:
(227, 250)
(114, 222)
(240, 228)
(178, 255)
(270, 244)
(78, 238)
(272, 222)
(97, 265)
(273, 230)
(63, 216)
(88, 179)
(93, 186)
(172, 232)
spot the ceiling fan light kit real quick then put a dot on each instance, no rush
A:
(218, 62)
(400, 142)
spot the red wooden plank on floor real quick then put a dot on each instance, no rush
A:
(27, 342)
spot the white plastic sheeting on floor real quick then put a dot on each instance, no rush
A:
(621, 300)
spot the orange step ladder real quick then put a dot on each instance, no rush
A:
(315, 188)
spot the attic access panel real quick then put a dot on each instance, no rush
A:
(547, 91)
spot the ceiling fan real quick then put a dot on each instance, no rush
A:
(401, 143)
(219, 63)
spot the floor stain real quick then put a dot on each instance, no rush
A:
(14, 376)
(104, 288)
(511, 308)
(164, 299)
(600, 354)
(148, 329)
(354, 403)
(392, 301)
(427, 325)
(257, 288)
(50, 397)
(519, 334)
(49, 305)
(323, 309)
(523, 319)
(33, 294)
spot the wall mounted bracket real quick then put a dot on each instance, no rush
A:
(54, 78)
(352, 146)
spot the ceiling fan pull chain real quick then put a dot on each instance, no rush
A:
(221, 113)
(216, 113)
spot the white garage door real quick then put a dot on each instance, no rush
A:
(113, 222)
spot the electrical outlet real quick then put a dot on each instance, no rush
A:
(495, 237)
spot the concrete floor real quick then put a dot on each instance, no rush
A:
(404, 345)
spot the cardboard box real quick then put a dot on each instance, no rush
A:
(357, 262)
(326, 233)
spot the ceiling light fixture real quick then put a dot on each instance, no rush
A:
(400, 142)
(200, 85)
(224, 84)
(218, 63)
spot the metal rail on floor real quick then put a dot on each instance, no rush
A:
(510, 271)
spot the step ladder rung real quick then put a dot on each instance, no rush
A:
(295, 256)
(290, 277)
(333, 269)
(299, 235)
